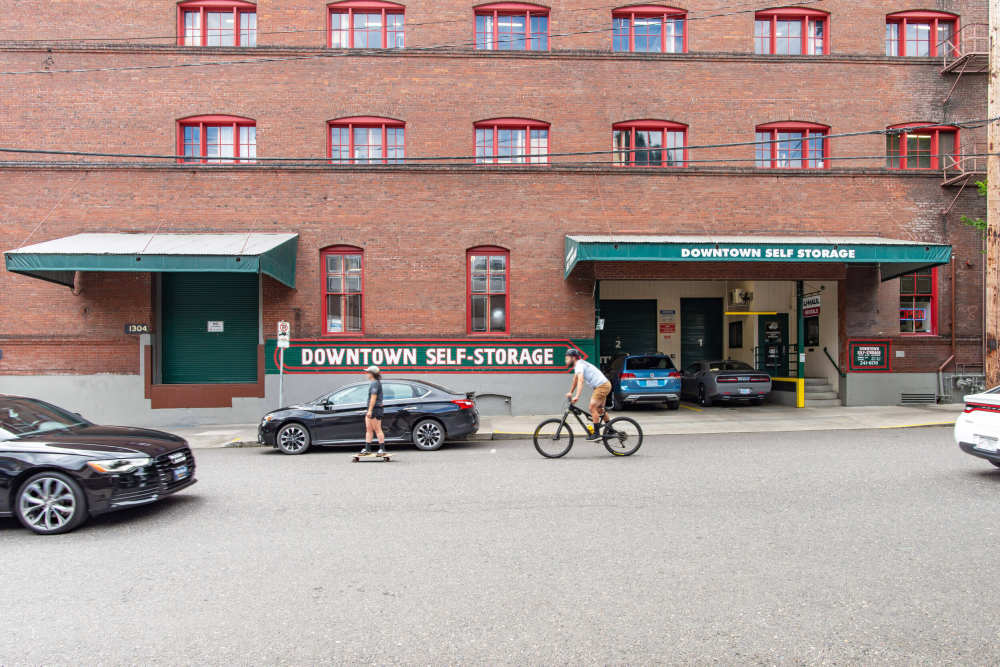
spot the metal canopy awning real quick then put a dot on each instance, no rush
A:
(894, 257)
(57, 260)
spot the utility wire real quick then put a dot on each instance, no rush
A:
(198, 159)
(350, 52)
(407, 24)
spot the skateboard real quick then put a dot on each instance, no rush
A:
(372, 457)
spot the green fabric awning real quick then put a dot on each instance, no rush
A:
(893, 257)
(57, 260)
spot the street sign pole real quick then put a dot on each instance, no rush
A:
(284, 336)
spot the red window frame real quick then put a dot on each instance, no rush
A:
(202, 122)
(808, 130)
(363, 7)
(498, 9)
(925, 128)
(486, 250)
(792, 14)
(352, 122)
(914, 295)
(526, 124)
(340, 250)
(924, 17)
(203, 6)
(632, 12)
(650, 125)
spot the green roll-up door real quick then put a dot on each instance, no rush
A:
(191, 353)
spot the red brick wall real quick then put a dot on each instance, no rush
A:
(415, 225)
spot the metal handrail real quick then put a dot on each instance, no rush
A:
(971, 38)
(835, 364)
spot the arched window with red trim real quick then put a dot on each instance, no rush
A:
(649, 143)
(512, 141)
(488, 273)
(365, 24)
(792, 145)
(215, 139)
(921, 33)
(512, 26)
(216, 23)
(366, 140)
(921, 146)
(649, 29)
(792, 31)
(343, 289)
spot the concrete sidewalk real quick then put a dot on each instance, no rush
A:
(690, 419)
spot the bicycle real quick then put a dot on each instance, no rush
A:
(622, 436)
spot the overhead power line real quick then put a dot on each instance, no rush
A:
(355, 52)
(197, 159)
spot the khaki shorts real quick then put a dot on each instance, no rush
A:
(600, 394)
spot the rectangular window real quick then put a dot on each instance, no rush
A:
(621, 34)
(917, 307)
(484, 32)
(892, 39)
(248, 143)
(367, 145)
(659, 147)
(785, 33)
(367, 31)
(488, 293)
(763, 154)
(920, 34)
(762, 36)
(248, 29)
(817, 37)
(343, 292)
(539, 146)
(192, 28)
(395, 149)
(219, 143)
(220, 30)
(192, 141)
(788, 38)
(366, 142)
(340, 33)
(648, 32)
(791, 148)
(539, 33)
(366, 27)
(394, 31)
(340, 145)
(510, 146)
(484, 145)
(512, 31)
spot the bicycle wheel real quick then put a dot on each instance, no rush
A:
(622, 436)
(553, 438)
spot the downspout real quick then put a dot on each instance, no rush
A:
(77, 283)
(597, 318)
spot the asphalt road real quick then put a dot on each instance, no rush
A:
(839, 547)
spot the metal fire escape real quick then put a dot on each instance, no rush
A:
(967, 52)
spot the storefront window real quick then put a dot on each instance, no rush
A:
(917, 302)
(343, 286)
(489, 273)
(217, 23)
(366, 24)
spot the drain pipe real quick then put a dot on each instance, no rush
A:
(953, 325)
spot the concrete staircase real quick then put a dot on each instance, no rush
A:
(819, 393)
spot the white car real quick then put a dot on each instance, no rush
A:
(977, 429)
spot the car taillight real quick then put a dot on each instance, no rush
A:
(726, 379)
(972, 407)
(674, 374)
(628, 376)
(969, 407)
(464, 403)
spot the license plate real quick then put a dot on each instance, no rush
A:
(181, 473)
(652, 383)
(986, 443)
(744, 391)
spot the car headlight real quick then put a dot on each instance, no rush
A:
(266, 419)
(114, 466)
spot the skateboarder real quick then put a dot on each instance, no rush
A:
(373, 418)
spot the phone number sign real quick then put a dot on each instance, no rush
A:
(868, 355)
(307, 356)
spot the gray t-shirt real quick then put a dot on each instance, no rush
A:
(590, 373)
(375, 389)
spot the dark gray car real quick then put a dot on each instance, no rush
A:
(725, 382)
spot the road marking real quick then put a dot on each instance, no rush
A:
(951, 423)
(688, 407)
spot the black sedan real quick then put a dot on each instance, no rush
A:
(57, 469)
(418, 412)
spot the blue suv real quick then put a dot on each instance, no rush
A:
(644, 378)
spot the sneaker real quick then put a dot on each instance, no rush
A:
(380, 452)
(365, 452)
(594, 436)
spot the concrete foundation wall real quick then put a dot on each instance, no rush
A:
(884, 388)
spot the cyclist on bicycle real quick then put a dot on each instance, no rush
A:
(586, 372)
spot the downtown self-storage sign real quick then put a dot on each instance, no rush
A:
(433, 356)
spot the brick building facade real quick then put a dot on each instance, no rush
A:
(127, 80)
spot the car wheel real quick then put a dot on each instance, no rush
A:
(293, 439)
(996, 463)
(704, 400)
(427, 435)
(50, 503)
(673, 405)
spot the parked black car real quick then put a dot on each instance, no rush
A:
(418, 412)
(57, 469)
